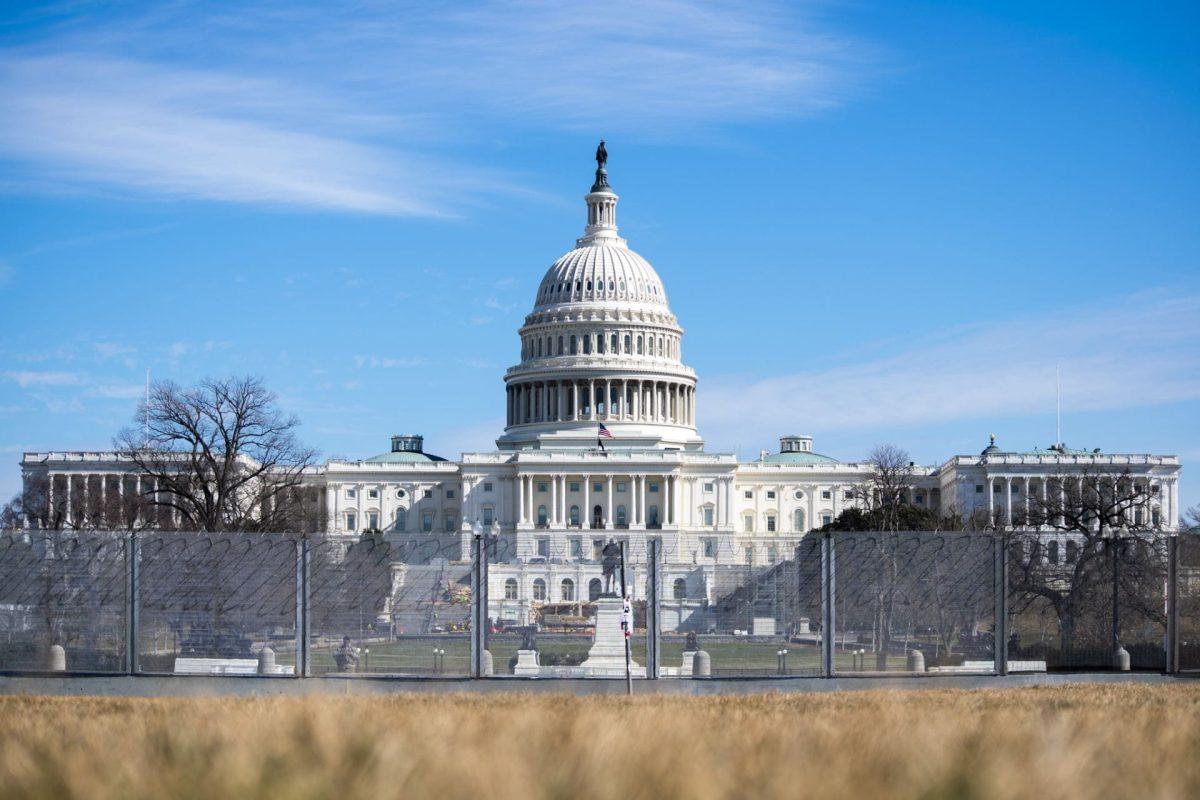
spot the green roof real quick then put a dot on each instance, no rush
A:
(401, 457)
(799, 458)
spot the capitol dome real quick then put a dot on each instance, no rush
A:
(601, 348)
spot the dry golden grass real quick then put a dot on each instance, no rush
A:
(1066, 742)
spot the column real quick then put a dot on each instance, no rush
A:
(554, 500)
(645, 500)
(990, 499)
(591, 398)
(87, 493)
(608, 399)
(1008, 501)
(586, 516)
(69, 516)
(562, 500)
(1028, 485)
(520, 481)
(560, 412)
(637, 400)
(609, 522)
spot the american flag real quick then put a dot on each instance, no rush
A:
(605, 433)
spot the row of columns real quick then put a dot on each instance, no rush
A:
(602, 400)
(637, 508)
(83, 503)
(1166, 495)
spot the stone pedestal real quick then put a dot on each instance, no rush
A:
(685, 669)
(527, 663)
(606, 658)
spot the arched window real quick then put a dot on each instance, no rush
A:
(598, 516)
(650, 346)
(600, 343)
(639, 345)
(401, 519)
(574, 345)
(560, 345)
(798, 519)
(628, 349)
(652, 517)
(771, 526)
(510, 589)
(615, 346)
(539, 347)
(621, 516)
(610, 284)
(679, 590)
(568, 590)
(587, 344)
(541, 516)
(589, 284)
(539, 589)
(575, 516)
(594, 589)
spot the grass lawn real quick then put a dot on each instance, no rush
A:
(1112, 741)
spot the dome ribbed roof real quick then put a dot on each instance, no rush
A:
(601, 273)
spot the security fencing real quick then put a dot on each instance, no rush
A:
(454, 605)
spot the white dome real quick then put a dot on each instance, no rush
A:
(600, 273)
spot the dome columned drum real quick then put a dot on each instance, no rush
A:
(601, 348)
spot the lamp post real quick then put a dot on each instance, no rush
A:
(366, 659)
(781, 654)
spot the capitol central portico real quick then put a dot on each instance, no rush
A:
(600, 442)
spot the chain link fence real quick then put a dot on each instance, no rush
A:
(454, 605)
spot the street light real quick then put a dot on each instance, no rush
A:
(366, 659)
(782, 656)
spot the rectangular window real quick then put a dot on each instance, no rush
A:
(979, 488)
(708, 488)
(654, 487)
(620, 486)
(748, 495)
(427, 522)
(351, 522)
(373, 521)
(710, 548)
(450, 527)
(708, 515)
(826, 519)
(770, 524)
(748, 524)
(597, 546)
(449, 494)
(826, 495)
(598, 487)
(543, 546)
(487, 486)
(848, 495)
(487, 516)
(543, 487)
(427, 494)
(351, 493)
(574, 486)
(920, 499)
(772, 554)
(770, 495)
(576, 547)
(372, 493)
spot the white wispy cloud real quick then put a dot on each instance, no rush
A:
(345, 108)
(1141, 351)
(385, 362)
(26, 379)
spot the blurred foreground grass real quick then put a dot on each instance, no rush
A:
(1063, 742)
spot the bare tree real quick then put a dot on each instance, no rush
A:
(1085, 548)
(887, 490)
(220, 456)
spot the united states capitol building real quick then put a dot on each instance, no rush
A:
(601, 442)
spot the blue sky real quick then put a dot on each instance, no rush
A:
(877, 222)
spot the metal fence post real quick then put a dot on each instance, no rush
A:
(1173, 604)
(653, 609)
(302, 660)
(1000, 626)
(132, 555)
(477, 618)
(828, 597)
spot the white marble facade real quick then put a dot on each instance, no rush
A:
(602, 347)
